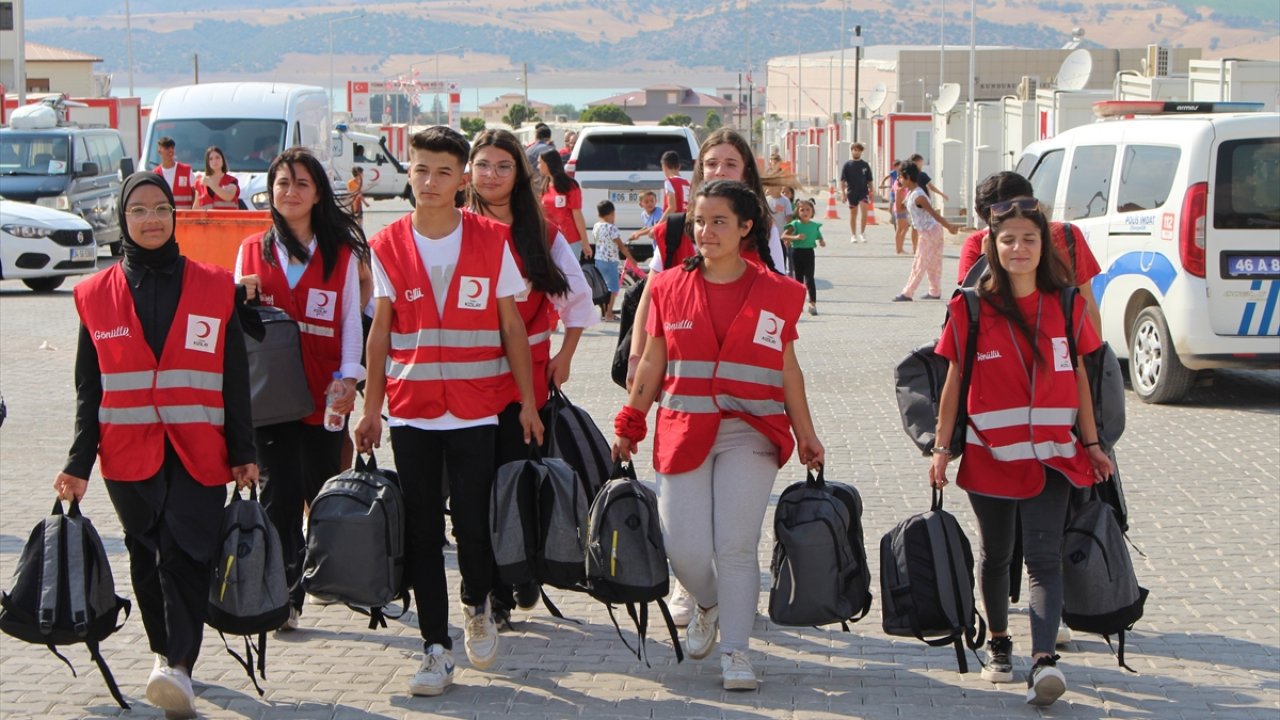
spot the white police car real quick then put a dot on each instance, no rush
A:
(1182, 211)
(41, 246)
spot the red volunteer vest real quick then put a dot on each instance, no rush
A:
(315, 303)
(704, 381)
(680, 186)
(452, 362)
(184, 195)
(179, 396)
(538, 314)
(207, 199)
(1011, 434)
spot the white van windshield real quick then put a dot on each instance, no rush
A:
(249, 145)
(608, 152)
(1248, 174)
(34, 154)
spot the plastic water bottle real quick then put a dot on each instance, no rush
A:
(333, 420)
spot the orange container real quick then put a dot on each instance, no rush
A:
(213, 236)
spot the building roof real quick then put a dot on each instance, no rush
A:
(508, 99)
(688, 98)
(47, 53)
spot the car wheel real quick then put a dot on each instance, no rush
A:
(1155, 371)
(117, 248)
(44, 284)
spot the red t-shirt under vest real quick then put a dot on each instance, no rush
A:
(315, 303)
(451, 361)
(707, 380)
(178, 396)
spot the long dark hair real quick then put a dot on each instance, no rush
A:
(215, 149)
(997, 288)
(528, 226)
(560, 180)
(333, 226)
(750, 178)
(744, 204)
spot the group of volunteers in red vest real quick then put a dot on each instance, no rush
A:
(459, 300)
(215, 189)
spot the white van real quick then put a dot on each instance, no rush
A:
(251, 121)
(384, 175)
(1183, 214)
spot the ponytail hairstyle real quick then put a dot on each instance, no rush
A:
(750, 178)
(332, 225)
(997, 288)
(746, 206)
(560, 180)
(528, 226)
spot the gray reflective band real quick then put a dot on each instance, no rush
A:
(689, 404)
(729, 403)
(1019, 416)
(438, 337)
(128, 416)
(447, 370)
(180, 414)
(695, 369)
(750, 373)
(1046, 450)
(318, 330)
(49, 574)
(140, 380)
(543, 336)
(194, 379)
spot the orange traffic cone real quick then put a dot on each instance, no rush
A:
(831, 204)
(871, 212)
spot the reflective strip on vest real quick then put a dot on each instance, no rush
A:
(448, 370)
(1046, 450)
(1020, 416)
(317, 330)
(439, 337)
(123, 381)
(543, 336)
(128, 416)
(758, 408)
(695, 369)
(689, 404)
(169, 414)
(194, 379)
(750, 373)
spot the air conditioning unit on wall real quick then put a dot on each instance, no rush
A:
(1027, 87)
(1157, 61)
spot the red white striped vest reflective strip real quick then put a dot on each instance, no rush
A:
(184, 194)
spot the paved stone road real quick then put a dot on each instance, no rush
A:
(1202, 483)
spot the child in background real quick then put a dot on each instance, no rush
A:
(780, 210)
(898, 200)
(675, 189)
(804, 234)
(609, 250)
(649, 215)
(928, 224)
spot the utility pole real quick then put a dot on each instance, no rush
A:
(857, 78)
(195, 66)
(844, 4)
(128, 42)
(20, 60)
(525, 76)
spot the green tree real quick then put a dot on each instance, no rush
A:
(519, 114)
(606, 114)
(566, 109)
(472, 126)
(712, 122)
(676, 119)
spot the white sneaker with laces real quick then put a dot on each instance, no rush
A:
(481, 635)
(736, 671)
(435, 674)
(169, 689)
(1064, 634)
(291, 622)
(700, 636)
(1045, 683)
(680, 605)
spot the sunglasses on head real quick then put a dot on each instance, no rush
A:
(1025, 204)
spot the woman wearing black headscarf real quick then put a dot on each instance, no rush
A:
(162, 398)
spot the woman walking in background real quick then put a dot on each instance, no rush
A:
(926, 220)
(562, 201)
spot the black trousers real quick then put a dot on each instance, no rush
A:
(171, 530)
(420, 457)
(298, 459)
(802, 264)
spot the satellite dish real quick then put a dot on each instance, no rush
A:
(948, 96)
(877, 97)
(1075, 70)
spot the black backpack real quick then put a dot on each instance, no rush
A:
(355, 541)
(631, 300)
(574, 437)
(68, 596)
(248, 593)
(926, 583)
(819, 567)
(918, 381)
(277, 384)
(595, 281)
(626, 560)
(537, 523)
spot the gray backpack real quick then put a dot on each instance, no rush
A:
(248, 593)
(819, 567)
(537, 522)
(626, 561)
(278, 389)
(1100, 589)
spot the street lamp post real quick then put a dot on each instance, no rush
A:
(436, 101)
(331, 21)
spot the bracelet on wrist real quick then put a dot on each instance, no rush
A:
(940, 451)
(1092, 444)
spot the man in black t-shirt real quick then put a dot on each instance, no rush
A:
(855, 186)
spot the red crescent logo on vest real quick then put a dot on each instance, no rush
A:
(204, 329)
(477, 288)
(773, 326)
(323, 301)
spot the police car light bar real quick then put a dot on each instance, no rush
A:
(1120, 108)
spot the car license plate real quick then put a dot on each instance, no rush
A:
(79, 254)
(1251, 266)
(624, 196)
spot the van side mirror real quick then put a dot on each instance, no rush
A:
(87, 170)
(126, 167)
(382, 159)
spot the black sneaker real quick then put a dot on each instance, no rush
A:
(1045, 683)
(528, 594)
(999, 667)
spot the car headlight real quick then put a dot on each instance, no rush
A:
(27, 231)
(57, 202)
(260, 200)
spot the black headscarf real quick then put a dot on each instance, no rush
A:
(162, 258)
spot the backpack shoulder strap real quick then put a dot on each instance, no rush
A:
(96, 653)
(50, 573)
(77, 604)
(675, 233)
(1068, 297)
(976, 271)
(974, 309)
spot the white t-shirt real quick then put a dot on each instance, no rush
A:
(775, 251)
(603, 235)
(439, 260)
(170, 176)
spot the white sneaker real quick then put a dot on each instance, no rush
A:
(680, 605)
(736, 671)
(169, 689)
(1064, 634)
(291, 622)
(481, 635)
(435, 674)
(862, 238)
(700, 636)
(1046, 682)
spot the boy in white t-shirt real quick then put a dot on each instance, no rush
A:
(446, 346)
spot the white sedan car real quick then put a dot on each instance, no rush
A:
(41, 246)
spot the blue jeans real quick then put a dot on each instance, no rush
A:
(609, 269)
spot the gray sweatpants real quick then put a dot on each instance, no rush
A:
(1043, 519)
(711, 519)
